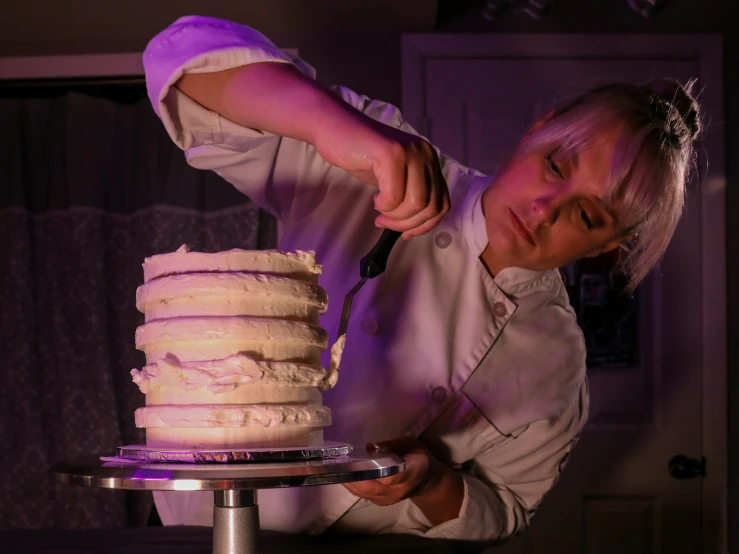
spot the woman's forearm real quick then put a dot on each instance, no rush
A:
(270, 96)
(276, 98)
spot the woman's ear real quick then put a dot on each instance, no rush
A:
(611, 248)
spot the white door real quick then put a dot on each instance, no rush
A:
(616, 495)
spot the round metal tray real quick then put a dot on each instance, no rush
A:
(91, 471)
(236, 508)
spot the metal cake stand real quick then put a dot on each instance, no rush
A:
(234, 476)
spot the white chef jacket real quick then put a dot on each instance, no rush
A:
(488, 371)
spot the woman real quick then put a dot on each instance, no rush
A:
(464, 357)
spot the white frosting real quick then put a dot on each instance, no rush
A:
(297, 264)
(258, 415)
(222, 376)
(332, 376)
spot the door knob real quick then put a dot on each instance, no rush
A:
(682, 467)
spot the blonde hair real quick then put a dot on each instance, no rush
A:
(650, 165)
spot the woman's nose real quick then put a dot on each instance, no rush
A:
(545, 210)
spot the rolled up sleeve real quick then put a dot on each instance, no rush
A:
(243, 156)
(196, 44)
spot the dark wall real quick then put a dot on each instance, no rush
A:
(355, 44)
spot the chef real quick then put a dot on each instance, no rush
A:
(464, 357)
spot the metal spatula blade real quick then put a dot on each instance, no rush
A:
(372, 265)
(344, 321)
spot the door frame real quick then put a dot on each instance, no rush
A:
(705, 49)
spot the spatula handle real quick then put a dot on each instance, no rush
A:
(373, 264)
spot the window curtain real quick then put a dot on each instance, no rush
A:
(89, 186)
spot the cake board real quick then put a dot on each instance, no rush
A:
(235, 485)
(326, 449)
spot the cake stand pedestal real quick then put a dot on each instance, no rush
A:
(235, 485)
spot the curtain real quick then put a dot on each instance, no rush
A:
(89, 187)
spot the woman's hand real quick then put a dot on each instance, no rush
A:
(413, 193)
(417, 477)
(434, 487)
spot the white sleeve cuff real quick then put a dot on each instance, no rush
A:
(414, 519)
(195, 44)
(481, 518)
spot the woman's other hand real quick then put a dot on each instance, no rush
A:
(434, 487)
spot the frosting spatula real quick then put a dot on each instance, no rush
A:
(372, 265)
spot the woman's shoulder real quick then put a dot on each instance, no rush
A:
(543, 344)
(543, 309)
(542, 286)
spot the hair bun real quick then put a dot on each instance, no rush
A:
(681, 97)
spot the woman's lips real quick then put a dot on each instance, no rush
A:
(521, 228)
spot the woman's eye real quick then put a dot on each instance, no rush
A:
(586, 219)
(553, 166)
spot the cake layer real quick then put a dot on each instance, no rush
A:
(251, 394)
(212, 338)
(195, 416)
(232, 437)
(298, 264)
(226, 294)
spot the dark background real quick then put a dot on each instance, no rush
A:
(357, 44)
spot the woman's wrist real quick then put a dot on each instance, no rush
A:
(441, 498)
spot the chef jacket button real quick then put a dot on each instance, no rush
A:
(369, 325)
(499, 309)
(443, 239)
(439, 394)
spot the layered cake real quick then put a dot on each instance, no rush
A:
(233, 344)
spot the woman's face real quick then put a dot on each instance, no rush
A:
(544, 210)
